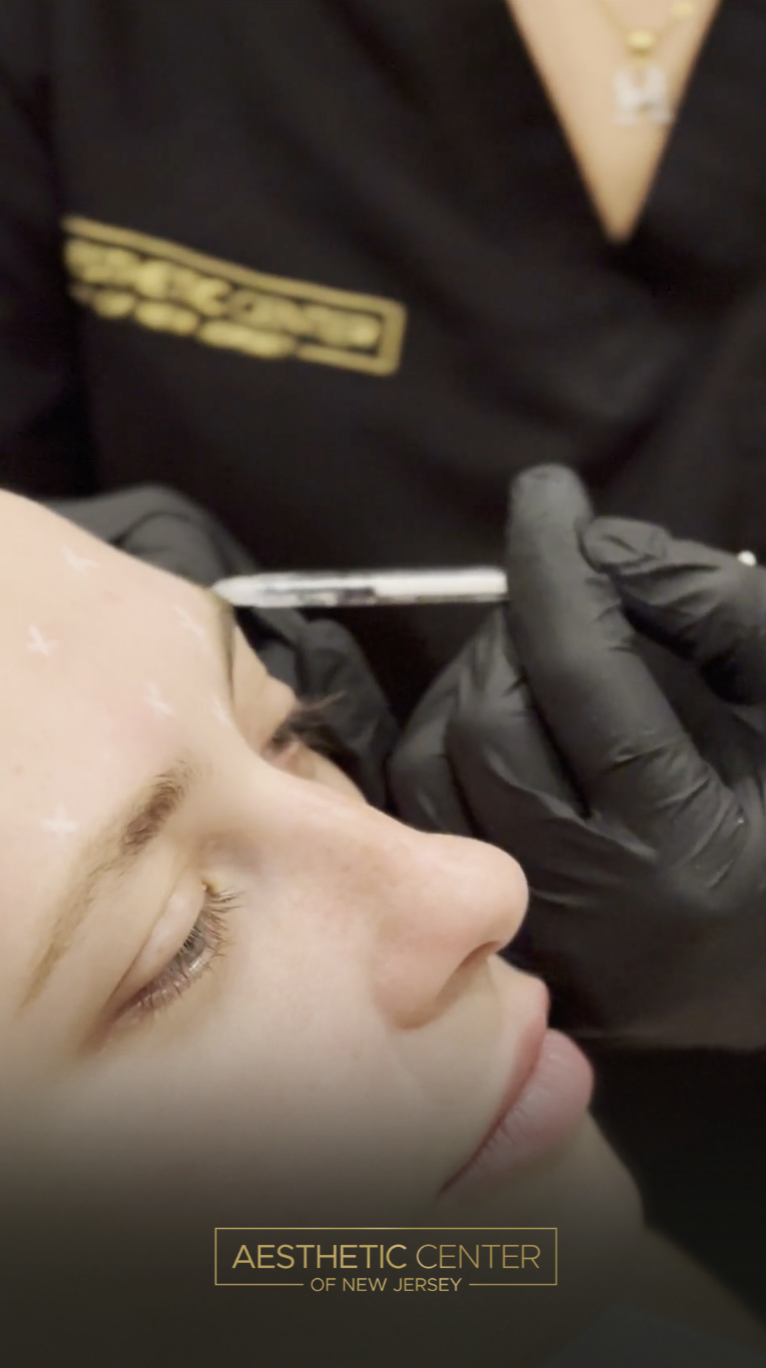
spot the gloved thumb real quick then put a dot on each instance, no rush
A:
(706, 605)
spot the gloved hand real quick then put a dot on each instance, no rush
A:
(643, 836)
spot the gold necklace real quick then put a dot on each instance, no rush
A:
(641, 91)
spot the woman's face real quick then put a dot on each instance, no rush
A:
(211, 943)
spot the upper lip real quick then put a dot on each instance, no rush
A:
(526, 1054)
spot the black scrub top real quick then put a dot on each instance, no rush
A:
(330, 269)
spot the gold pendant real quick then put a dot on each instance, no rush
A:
(641, 95)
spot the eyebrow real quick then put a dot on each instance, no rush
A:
(112, 853)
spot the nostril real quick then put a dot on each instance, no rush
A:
(468, 973)
(479, 955)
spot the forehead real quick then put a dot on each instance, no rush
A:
(106, 663)
(74, 610)
(54, 573)
(46, 560)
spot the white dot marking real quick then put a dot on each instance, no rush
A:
(79, 563)
(190, 623)
(39, 644)
(155, 700)
(221, 713)
(60, 824)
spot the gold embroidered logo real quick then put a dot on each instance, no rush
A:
(122, 274)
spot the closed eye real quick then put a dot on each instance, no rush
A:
(206, 940)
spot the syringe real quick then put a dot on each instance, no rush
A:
(365, 588)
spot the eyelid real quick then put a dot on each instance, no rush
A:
(207, 937)
(304, 727)
(205, 941)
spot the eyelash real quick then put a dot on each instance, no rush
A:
(207, 937)
(203, 945)
(308, 724)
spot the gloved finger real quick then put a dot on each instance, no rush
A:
(627, 750)
(496, 729)
(656, 979)
(479, 704)
(728, 738)
(495, 735)
(420, 772)
(706, 605)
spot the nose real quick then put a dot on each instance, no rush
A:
(447, 904)
(426, 910)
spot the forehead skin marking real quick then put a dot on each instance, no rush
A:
(60, 824)
(196, 628)
(154, 698)
(220, 713)
(79, 563)
(37, 643)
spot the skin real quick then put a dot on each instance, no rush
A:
(576, 48)
(357, 1029)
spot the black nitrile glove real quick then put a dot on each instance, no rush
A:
(643, 840)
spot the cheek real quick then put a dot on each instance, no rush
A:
(313, 1076)
(295, 1017)
(287, 1073)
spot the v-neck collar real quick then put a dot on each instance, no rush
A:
(674, 149)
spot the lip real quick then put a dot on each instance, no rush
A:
(547, 1093)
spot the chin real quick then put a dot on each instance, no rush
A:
(584, 1190)
(580, 1180)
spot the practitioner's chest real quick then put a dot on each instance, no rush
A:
(614, 101)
